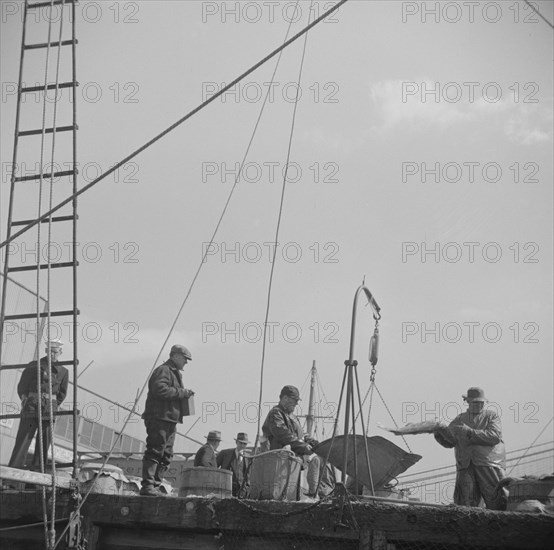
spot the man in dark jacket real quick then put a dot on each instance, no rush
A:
(282, 429)
(206, 455)
(166, 404)
(30, 396)
(476, 436)
(233, 459)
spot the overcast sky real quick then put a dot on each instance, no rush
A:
(422, 154)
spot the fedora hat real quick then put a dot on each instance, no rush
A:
(214, 435)
(475, 394)
(242, 438)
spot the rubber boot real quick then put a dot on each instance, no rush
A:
(159, 477)
(149, 489)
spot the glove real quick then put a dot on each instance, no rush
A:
(463, 430)
(301, 448)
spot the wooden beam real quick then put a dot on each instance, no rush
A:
(34, 478)
(329, 523)
(398, 523)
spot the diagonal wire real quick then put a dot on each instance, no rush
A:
(528, 448)
(162, 134)
(539, 13)
(277, 229)
(196, 275)
(52, 530)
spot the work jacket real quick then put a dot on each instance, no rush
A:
(282, 428)
(476, 438)
(167, 397)
(206, 457)
(28, 392)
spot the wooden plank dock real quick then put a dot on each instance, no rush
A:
(112, 522)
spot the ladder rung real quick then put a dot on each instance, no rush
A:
(64, 465)
(54, 219)
(46, 4)
(52, 44)
(61, 174)
(48, 87)
(23, 365)
(57, 413)
(47, 130)
(42, 266)
(22, 316)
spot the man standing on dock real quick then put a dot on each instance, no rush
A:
(166, 404)
(282, 428)
(54, 388)
(476, 436)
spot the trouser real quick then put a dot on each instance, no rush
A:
(476, 482)
(159, 450)
(28, 427)
(312, 473)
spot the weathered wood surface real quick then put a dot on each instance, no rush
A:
(247, 521)
(448, 525)
(36, 478)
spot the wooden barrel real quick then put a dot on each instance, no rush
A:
(274, 475)
(204, 482)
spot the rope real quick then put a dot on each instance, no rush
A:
(52, 532)
(39, 366)
(115, 167)
(527, 450)
(539, 13)
(15, 527)
(279, 217)
(119, 164)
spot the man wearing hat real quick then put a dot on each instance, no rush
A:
(476, 436)
(166, 404)
(206, 455)
(52, 389)
(282, 428)
(233, 459)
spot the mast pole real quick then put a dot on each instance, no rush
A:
(310, 416)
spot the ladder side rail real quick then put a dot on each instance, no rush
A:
(74, 236)
(12, 179)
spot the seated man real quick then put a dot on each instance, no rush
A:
(206, 455)
(282, 428)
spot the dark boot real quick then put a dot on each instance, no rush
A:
(149, 489)
(159, 477)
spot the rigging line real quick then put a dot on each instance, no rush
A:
(539, 13)
(511, 459)
(119, 164)
(40, 438)
(126, 408)
(52, 531)
(521, 457)
(133, 410)
(452, 472)
(276, 241)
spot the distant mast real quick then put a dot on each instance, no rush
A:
(310, 416)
